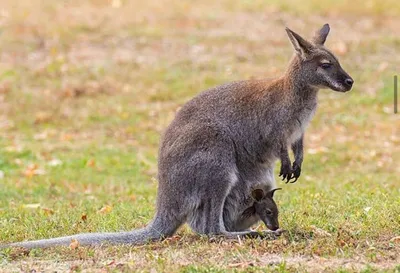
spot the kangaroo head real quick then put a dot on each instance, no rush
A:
(266, 208)
(315, 65)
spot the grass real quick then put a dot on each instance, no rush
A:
(87, 88)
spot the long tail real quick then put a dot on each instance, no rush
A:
(156, 230)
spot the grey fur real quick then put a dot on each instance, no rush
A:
(229, 137)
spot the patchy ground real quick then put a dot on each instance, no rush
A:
(87, 87)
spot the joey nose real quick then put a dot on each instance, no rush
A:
(349, 82)
(273, 228)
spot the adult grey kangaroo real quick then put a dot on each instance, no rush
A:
(231, 136)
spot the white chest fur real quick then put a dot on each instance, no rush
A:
(300, 121)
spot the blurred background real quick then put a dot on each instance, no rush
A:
(87, 87)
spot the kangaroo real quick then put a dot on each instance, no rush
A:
(231, 136)
(241, 210)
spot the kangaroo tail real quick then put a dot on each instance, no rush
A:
(156, 230)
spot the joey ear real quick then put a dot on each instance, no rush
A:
(270, 194)
(302, 47)
(258, 194)
(320, 36)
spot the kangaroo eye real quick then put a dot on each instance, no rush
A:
(326, 65)
(268, 212)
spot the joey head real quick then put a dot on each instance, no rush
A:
(266, 209)
(259, 206)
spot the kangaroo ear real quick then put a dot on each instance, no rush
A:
(320, 36)
(258, 194)
(270, 194)
(302, 47)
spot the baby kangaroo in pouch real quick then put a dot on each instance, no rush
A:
(250, 209)
(226, 140)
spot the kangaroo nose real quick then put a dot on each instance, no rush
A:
(273, 228)
(349, 82)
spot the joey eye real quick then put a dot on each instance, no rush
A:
(269, 212)
(326, 65)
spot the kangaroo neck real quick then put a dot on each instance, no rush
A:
(296, 83)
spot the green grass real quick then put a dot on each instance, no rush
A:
(85, 98)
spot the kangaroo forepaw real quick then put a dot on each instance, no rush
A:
(286, 172)
(296, 171)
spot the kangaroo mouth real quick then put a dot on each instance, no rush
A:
(340, 88)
